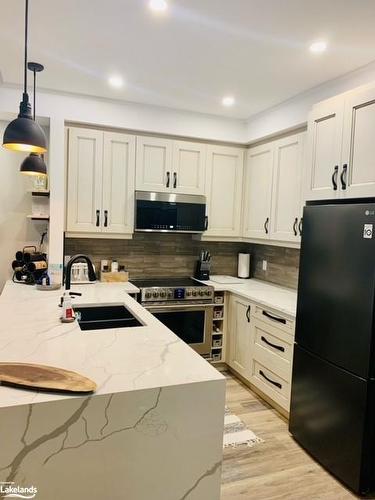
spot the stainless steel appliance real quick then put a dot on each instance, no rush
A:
(169, 212)
(333, 386)
(184, 305)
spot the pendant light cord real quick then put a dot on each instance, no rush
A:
(34, 71)
(26, 33)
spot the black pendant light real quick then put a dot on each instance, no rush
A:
(23, 133)
(34, 163)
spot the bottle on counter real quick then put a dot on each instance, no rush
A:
(67, 309)
(114, 266)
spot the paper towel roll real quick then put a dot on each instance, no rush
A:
(244, 265)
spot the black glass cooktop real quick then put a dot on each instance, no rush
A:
(166, 282)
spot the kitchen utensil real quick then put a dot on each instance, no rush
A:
(43, 377)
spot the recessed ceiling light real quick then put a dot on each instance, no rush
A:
(116, 81)
(158, 5)
(318, 47)
(228, 100)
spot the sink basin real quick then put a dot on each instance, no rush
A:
(103, 316)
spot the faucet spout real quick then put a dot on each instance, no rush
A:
(68, 270)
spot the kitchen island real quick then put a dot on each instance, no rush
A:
(152, 430)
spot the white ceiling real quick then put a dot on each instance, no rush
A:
(191, 57)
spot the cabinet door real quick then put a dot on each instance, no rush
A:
(154, 164)
(286, 194)
(239, 335)
(188, 172)
(357, 175)
(85, 160)
(224, 174)
(258, 192)
(118, 183)
(324, 137)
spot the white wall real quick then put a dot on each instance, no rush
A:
(16, 230)
(293, 113)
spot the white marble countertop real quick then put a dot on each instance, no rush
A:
(266, 294)
(118, 360)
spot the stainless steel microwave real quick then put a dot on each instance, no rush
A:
(169, 212)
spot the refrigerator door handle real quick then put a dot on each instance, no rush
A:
(343, 176)
(274, 318)
(277, 384)
(300, 226)
(334, 177)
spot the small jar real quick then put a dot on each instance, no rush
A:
(114, 266)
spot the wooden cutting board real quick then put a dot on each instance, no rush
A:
(43, 377)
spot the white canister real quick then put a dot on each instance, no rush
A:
(243, 265)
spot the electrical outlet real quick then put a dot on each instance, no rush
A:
(264, 265)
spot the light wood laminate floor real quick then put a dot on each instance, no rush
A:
(276, 469)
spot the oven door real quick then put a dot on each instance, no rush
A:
(191, 323)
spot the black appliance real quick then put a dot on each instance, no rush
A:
(184, 305)
(332, 412)
(169, 212)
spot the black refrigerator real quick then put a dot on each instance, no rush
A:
(332, 412)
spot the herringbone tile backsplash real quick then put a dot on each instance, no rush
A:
(154, 254)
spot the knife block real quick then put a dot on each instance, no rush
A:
(202, 270)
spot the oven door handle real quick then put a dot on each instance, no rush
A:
(177, 307)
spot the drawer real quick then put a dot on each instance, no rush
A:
(273, 317)
(274, 340)
(271, 384)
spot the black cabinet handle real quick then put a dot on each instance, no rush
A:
(300, 226)
(105, 218)
(168, 179)
(266, 225)
(343, 176)
(278, 347)
(274, 318)
(248, 314)
(295, 226)
(174, 179)
(334, 177)
(97, 218)
(206, 223)
(277, 384)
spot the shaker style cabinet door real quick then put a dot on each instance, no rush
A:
(321, 173)
(84, 200)
(154, 164)
(258, 192)
(118, 183)
(224, 175)
(188, 172)
(239, 335)
(286, 196)
(357, 168)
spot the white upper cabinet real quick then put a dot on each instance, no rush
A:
(224, 175)
(101, 172)
(85, 158)
(188, 167)
(258, 192)
(118, 183)
(322, 169)
(168, 166)
(154, 164)
(357, 176)
(286, 194)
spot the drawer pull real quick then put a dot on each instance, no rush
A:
(274, 318)
(277, 384)
(278, 347)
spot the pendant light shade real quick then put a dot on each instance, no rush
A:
(33, 165)
(23, 133)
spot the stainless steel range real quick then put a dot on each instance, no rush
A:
(184, 305)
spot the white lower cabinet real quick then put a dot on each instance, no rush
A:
(239, 335)
(261, 348)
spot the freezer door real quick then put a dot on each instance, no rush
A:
(336, 284)
(327, 416)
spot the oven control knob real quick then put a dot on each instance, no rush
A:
(194, 293)
(155, 294)
(148, 295)
(208, 292)
(188, 293)
(201, 293)
(162, 294)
